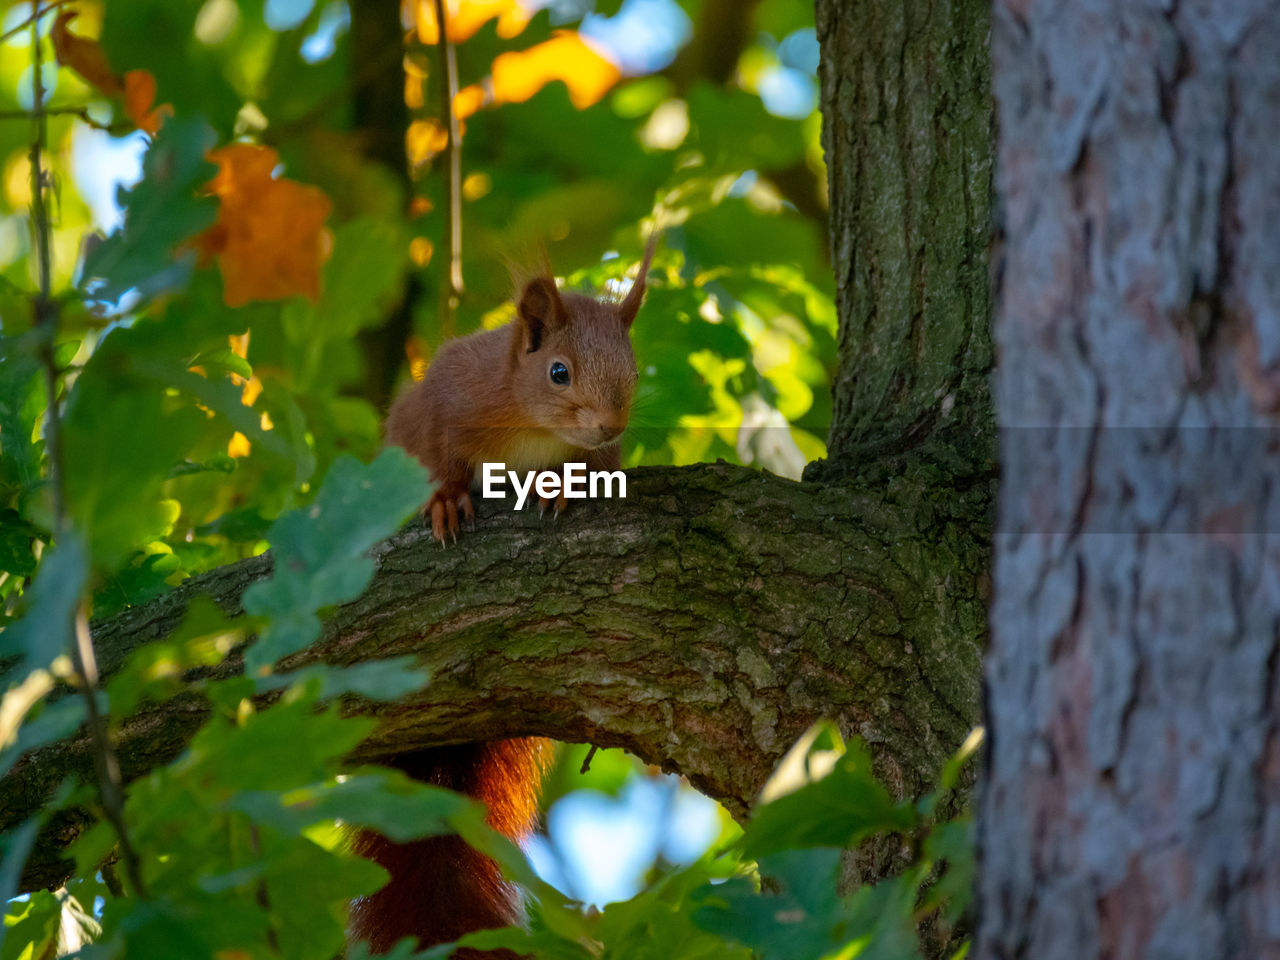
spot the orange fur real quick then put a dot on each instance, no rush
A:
(489, 397)
(440, 888)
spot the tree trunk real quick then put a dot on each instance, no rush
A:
(1131, 805)
(380, 117)
(907, 131)
(705, 621)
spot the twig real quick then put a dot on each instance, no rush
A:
(81, 113)
(46, 320)
(452, 292)
(15, 30)
(586, 761)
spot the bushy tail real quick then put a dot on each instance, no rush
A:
(440, 888)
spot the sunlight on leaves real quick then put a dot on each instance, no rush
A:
(464, 18)
(518, 75)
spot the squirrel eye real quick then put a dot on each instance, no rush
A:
(559, 373)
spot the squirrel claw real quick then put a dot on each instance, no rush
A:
(556, 503)
(442, 511)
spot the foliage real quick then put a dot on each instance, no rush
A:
(206, 381)
(772, 892)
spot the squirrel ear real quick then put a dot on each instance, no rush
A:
(630, 306)
(540, 310)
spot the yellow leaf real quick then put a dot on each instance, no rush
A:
(468, 100)
(252, 390)
(424, 139)
(464, 18)
(239, 446)
(566, 57)
(270, 238)
(420, 250)
(419, 355)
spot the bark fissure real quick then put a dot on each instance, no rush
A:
(1131, 802)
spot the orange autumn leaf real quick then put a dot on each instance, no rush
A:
(139, 102)
(86, 57)
(270, 238)
(518, 75)
(83, 55)
(464, 18)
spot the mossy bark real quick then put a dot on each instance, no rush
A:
(908, 134)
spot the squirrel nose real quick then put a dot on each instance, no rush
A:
(609, 431)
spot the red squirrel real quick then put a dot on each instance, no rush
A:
(554, 385)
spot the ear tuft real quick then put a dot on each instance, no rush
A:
(540, 310)
(630, 306)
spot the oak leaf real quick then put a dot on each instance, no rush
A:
(83, 55)
(270, 238)
(140, 99)
(86, 57)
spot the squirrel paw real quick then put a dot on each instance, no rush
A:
(559, 503)
(442, 511)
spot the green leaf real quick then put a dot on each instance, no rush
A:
(245, 525)
(838, 803)
(388, 679)
(319, 551)
(123, 438)
(16, 539)
(378, 799)
(736, 132)
(143, 579)
(801, 916)
(362, 279)
(154, 672)
(165, 928)
(15, 846)
(223, 360)
(953, 844)
(544, 944)
(50, 723)
(47, 628)
(162, 212)
(31, 927)
(19, 455)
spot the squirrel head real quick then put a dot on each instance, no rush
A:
(574, 370)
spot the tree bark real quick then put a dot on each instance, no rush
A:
(1131, 805)
(380, 117)
(907, 131)
(703, 623)
(708, 619)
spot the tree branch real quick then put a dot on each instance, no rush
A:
(702, 623)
